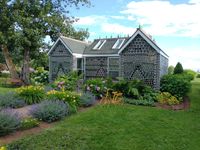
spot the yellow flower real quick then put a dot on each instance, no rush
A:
(3, 148)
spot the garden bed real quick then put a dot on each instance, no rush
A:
(182, 106)
(22, 133)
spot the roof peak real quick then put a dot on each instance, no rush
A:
(111, 38)
(74, 39)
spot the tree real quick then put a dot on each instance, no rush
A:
(7, 34)
(170, 69)
(178, 68)
(34, 20)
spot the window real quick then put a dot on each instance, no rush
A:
(118, 44)
(80, 65)
(99, 44)
(113, 67)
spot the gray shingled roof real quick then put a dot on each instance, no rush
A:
(106, 48)
(75, 46)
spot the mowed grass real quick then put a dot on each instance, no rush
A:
(123, 127)
(4, 90)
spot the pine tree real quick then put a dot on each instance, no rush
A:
(178, 69)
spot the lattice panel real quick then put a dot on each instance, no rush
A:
(61, 61)
(60, 50)
(140, 61)
(96, 67)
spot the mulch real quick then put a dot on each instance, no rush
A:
(20, 134)
(185, 105)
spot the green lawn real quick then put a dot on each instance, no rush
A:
(4, 90)
(123, 127)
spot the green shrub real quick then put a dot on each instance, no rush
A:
(141, 101)
(5, 82)
(40, 76)
(49, 110)
(31, 94)
(28, 123)
(198, 75)
(11, 100)
(67, 82)
(9, 121)
(167, 98)
(87, 99)
(72, 98)
(178, 68)
(132, 89)
(171, 70)
(177, 85)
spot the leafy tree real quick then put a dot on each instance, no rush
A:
(178, 68)
(7, 34)
(170, 69)
(32, 21)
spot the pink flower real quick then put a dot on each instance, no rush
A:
(88, 88)
(62, 82)
(98, 88)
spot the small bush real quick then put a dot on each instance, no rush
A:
(87, 99)
(98, 86)
(167, 98)
(49, 110)
(9, 121)
(198, 75)
(67, 82)
(40, 76)
(177, 85)
(11, 100)
(5, 74)
(31, 94)
(29, 123)
(190, 73)
(140, 101)
(132, 89)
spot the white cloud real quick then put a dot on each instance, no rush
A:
(194, 1)
(117, 28)
(164, 18)
(188, 58)
(90, 20)
(118, 17)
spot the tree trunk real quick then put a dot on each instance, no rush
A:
(25, 69)
(9, 62)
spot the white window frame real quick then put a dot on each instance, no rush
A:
(116, 43)
(99, 44)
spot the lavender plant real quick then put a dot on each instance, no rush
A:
(50, 110)
(9, 121)
(11, 100)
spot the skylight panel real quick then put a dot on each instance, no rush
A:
(99, 44)
(118, 44)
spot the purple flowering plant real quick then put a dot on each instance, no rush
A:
(9, 121)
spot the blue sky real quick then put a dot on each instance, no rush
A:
(174, 24)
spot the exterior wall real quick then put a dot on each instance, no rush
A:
(140, 61)
(74, 64)
(113, 67)
(60, 61)
(163, 65)
(96, 67)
